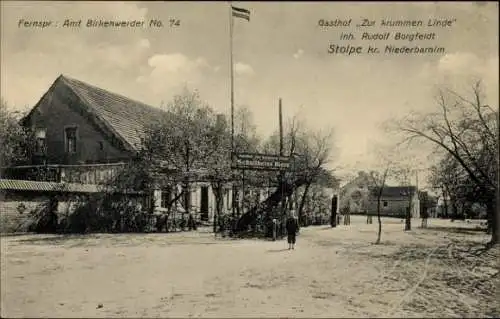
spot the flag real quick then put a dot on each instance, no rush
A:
(241, 13)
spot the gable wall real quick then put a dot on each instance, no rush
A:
(59, 108)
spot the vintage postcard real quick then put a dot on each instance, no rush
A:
(249, 159)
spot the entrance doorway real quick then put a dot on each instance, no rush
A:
(204, 203)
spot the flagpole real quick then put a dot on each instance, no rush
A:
(231, 21)
(234, 201)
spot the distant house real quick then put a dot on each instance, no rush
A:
(396, 200)
(359, 197)
(353, 196)
(85, 134)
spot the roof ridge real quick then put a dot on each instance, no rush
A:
(119, 116)
(109, 91)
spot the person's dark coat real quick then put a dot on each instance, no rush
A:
(291, 229)
(291, 226)
(424, 214)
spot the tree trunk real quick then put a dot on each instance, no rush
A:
(454, 210)
(408, 219)
(187, 197)
(187, 200)
(379, 233)
(492, 214)
(284, 204)
(408, 214)
(215, 223)
(218, 212)
(445, 202)
(302, 203)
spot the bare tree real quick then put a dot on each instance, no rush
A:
(183, 139)
(440, 178)
(187, 143)
(367, 186)
(315, 151)
(219, 164)
(467, 130)
(311, 150)
(378, 180)
(15, 140)
(246, 137)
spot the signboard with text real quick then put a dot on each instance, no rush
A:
(255, 161)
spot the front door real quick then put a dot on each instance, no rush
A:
(204, 203)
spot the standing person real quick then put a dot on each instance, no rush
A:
(291, 229)
(424, 215)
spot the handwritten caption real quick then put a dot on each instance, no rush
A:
(387, 36)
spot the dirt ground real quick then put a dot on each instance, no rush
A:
(442, 271)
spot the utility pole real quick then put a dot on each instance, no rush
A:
(416, 177)
(281, 127)
(417, 209)
(283, 199)
(243, 195)
(231, 23)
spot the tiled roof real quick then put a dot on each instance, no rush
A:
(23, 185)
(398, 191)
(124, 116)
(362, 181)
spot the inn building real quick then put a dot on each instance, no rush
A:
(85, 135)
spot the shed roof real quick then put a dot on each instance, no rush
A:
(36, 186)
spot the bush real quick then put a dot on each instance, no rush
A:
(105, 213)
(45, 220)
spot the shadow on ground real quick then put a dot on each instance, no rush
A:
(277, 250)
(324, 227)
(455, 249)
(457, 229)
(122, 239)
(55, 239)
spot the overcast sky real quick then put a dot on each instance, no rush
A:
(281, 52)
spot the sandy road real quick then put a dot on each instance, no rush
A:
(332, 273)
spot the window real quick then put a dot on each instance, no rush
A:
(385, 204)
(70, 137)
(40, 141)
(146, 202)
(204, 203)
(165, 198)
